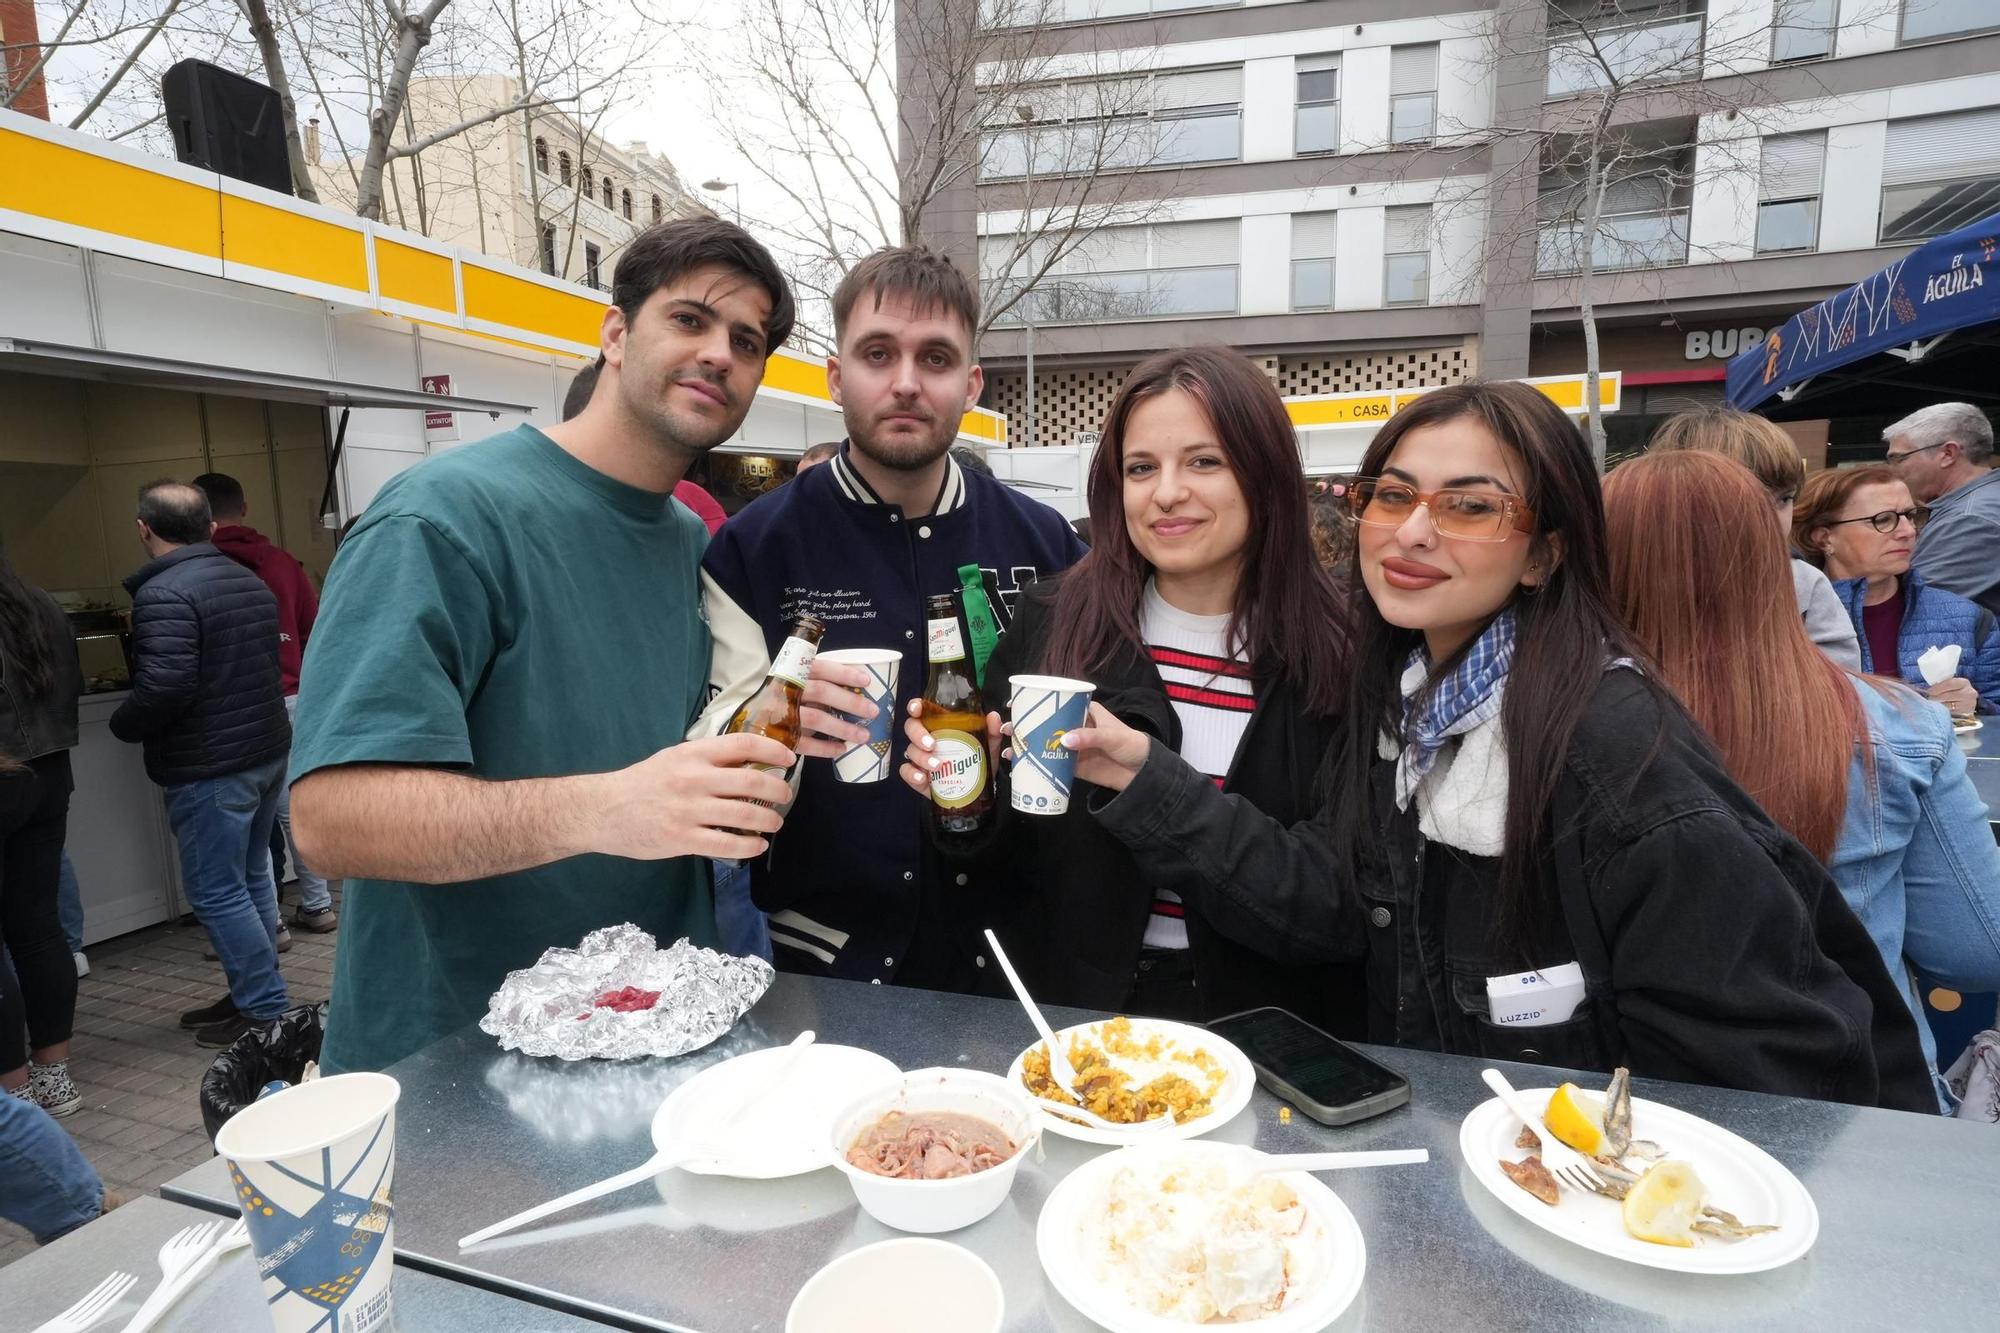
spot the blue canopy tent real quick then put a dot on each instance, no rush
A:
(1926, 329)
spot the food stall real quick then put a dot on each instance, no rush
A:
(157, 320)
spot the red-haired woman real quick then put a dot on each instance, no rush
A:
(1864, 772)
(1214, 639)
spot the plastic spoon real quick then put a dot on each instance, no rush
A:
(664, 1160)
(1342, 1161)
(1059, 1066)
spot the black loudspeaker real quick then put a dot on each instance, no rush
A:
(227, 123)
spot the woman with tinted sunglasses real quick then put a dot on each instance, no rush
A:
(1212, 635)
(1860, 524)
(1512, 796)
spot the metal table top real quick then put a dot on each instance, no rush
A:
(1985, 771)
(128, 1239)
(1906, 1201)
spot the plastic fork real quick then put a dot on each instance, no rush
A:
(1060, 1069)
(1565, 1163)
(193, 1264)
(92, 1306)
(1136, 1128)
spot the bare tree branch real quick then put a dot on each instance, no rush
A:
(125, 67)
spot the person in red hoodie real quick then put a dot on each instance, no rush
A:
(298, 605)
(704, 505)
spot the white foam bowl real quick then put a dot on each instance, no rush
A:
(927, 1206)
(905, 1285)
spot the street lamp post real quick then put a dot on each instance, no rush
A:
(719, 186)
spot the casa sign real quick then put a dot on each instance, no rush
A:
(1721, 343)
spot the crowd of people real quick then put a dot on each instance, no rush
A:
(1353, 749)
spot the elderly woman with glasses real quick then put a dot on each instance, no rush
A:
(1860, 525)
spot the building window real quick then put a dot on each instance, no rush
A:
(1312, 260)
(1923, 19)
(608, 193)
(1803, 29)
(549, 248)
(659, 210)
(1593, 43)
(1082, 127)
(1939, 173)
(541, 155)
(1118, 273)
(562, 167)
(1413, 81)
(1406, 256)
(1788, 192)
(625, 204)
(999, 14)
(1317, 122)
(591, 258)
(1642, 223)
(588, 182)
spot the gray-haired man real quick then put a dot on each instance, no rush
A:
(1945, 453)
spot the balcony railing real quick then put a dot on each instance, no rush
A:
(1077, 298)
(1583, 61)
(1657, 239)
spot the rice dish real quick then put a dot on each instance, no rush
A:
(1109, 1069)
(1202, 1239)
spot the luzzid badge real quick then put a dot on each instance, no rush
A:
(311, 1168)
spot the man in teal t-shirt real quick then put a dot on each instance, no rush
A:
(489, 734)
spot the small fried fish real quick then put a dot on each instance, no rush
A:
(1533, 1177)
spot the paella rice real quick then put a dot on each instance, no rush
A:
(1105, 1075)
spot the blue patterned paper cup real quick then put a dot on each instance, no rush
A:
(871, 760)
(311, 1168)
(1043, 710)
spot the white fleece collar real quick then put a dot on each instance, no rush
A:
(1462, 801)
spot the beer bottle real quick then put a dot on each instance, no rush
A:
(774, 709)
(962, 786)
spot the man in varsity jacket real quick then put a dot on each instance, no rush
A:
(851, 883)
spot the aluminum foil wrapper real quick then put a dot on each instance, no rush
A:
(551, 1008)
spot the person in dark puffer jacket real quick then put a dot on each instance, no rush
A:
(208, 704)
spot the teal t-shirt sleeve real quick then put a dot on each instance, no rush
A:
(404, 636)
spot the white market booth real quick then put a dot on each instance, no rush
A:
(161, 320)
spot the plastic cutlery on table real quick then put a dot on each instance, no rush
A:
(190, 1273)
(1059, 1066)
(1565, 1163)
(1136, 1128)
(1342, 1161)
(663, 1160)
(92, 1306)
(181, 1249)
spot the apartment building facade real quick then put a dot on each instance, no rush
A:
(543, 191)
(1372, 194)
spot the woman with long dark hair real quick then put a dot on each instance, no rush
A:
(40, 679)
(1864, 772)
(1513, 796)
(1214, 639)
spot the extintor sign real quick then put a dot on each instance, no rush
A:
(442, 425)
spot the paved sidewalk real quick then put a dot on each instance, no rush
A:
(139, 1072)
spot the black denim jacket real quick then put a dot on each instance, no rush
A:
(1714, 948)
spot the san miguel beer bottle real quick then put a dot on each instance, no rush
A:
(962, 786)
(774, 709)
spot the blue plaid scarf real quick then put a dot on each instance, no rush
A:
(1469, 696)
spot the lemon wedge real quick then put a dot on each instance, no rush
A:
(1577, 1119)
(1664, 1206)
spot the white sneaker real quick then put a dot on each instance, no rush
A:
(82, 964)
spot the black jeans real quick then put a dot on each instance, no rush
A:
(1163, 986)
(39, 991)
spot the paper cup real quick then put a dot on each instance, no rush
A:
(901, 1286)
(1043, 709)
(869, 761)
(310, 1167)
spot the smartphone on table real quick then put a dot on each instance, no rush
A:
(1313, 1070)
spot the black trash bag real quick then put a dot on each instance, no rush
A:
(277, 1051)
